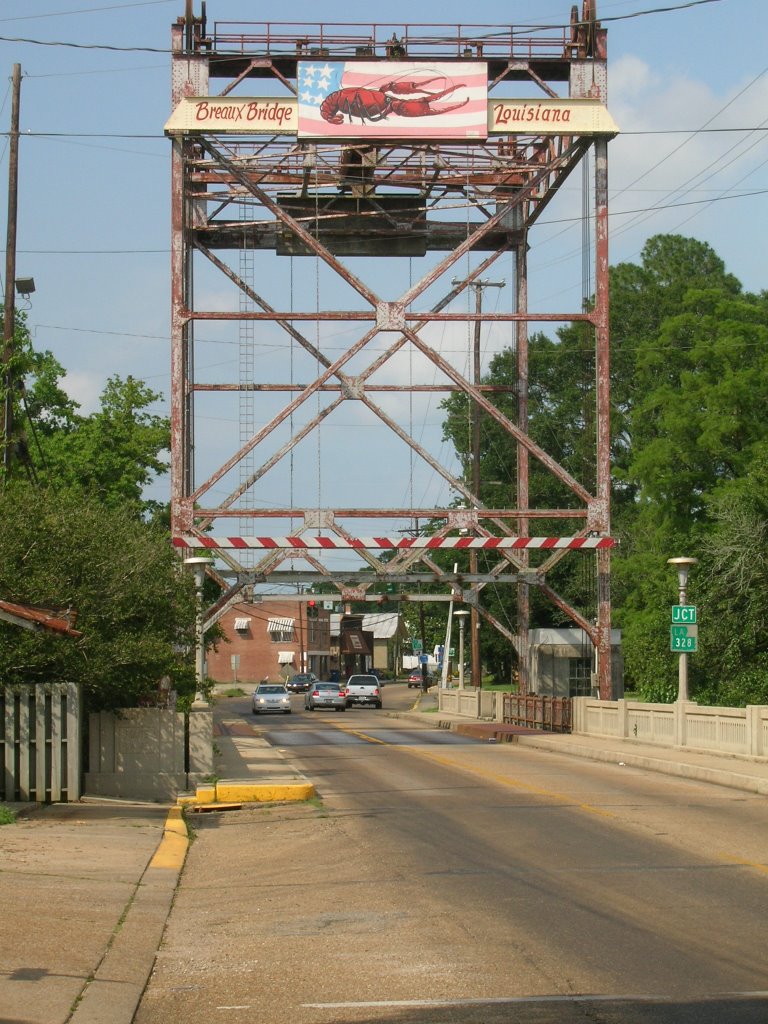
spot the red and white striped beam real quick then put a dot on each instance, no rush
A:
(393, 543)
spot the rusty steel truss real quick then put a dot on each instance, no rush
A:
(240, 197)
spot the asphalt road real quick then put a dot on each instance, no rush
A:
(443, 879)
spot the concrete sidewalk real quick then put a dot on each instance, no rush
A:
(86, 889)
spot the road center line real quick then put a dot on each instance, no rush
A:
(503, 780)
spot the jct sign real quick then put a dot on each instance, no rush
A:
(684, 632)
(683, 613)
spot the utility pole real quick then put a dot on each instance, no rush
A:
(474, 620)
(422, 633)
(9, 310)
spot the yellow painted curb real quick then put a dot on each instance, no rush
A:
(173, 846)
(175, 821)
(205, 795)
(248, 792)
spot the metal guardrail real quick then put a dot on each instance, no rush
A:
(391, 39)
(550, 714)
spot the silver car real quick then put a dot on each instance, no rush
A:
(271, 697)
(326, 695)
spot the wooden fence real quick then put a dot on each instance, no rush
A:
(41, 743)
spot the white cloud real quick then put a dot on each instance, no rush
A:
(85, 386)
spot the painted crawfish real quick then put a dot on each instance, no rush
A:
(408, 99)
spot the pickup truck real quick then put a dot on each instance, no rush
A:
(363, 689)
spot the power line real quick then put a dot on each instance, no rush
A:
(88, 10)
(558, 220)
(160, 135)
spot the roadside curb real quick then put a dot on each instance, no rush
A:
(231, 791)
(115, 990)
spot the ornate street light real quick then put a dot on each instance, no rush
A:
(682, 565)
(461, 615)
(197, 565)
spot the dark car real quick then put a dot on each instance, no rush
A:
(381, 674)
(301, 682)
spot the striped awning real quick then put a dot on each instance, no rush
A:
(280, 625)
(285, 657)
(242, 624)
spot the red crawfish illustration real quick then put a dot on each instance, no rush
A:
(408, 99)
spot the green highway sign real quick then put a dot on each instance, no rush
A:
(683, 638)
(416, 645)
(684, 613)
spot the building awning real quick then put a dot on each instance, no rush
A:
(355, 641)
(280, 626)
(285, 657)
(242, 623)
(564, 636)
(40, 619)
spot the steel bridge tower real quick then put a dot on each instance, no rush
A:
(297, 250)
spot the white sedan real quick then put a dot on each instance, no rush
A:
(271, 697)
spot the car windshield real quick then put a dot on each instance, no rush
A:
(327, 686)
(362, 680)
(271, 689)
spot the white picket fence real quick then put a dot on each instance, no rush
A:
(41, 743)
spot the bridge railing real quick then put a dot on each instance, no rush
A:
(739, 732)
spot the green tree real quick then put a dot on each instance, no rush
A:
(136, 608)
(735, 590)
(701, 413)
(112, 454)
(39, 403)
(691, 396)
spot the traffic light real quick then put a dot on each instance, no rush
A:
(311, 609)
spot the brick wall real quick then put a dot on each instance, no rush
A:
(260, 650)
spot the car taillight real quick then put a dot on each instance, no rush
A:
(315, 693)
(375, 691)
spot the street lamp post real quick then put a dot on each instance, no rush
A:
(461, 615)
(682, 565)
(197, 565)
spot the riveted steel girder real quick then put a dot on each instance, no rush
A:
(236, 195)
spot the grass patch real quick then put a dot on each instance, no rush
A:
(7, 816)
(235, 691)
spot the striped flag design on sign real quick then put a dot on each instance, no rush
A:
(363, 100)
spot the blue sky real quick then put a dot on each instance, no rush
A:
(688, 89)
